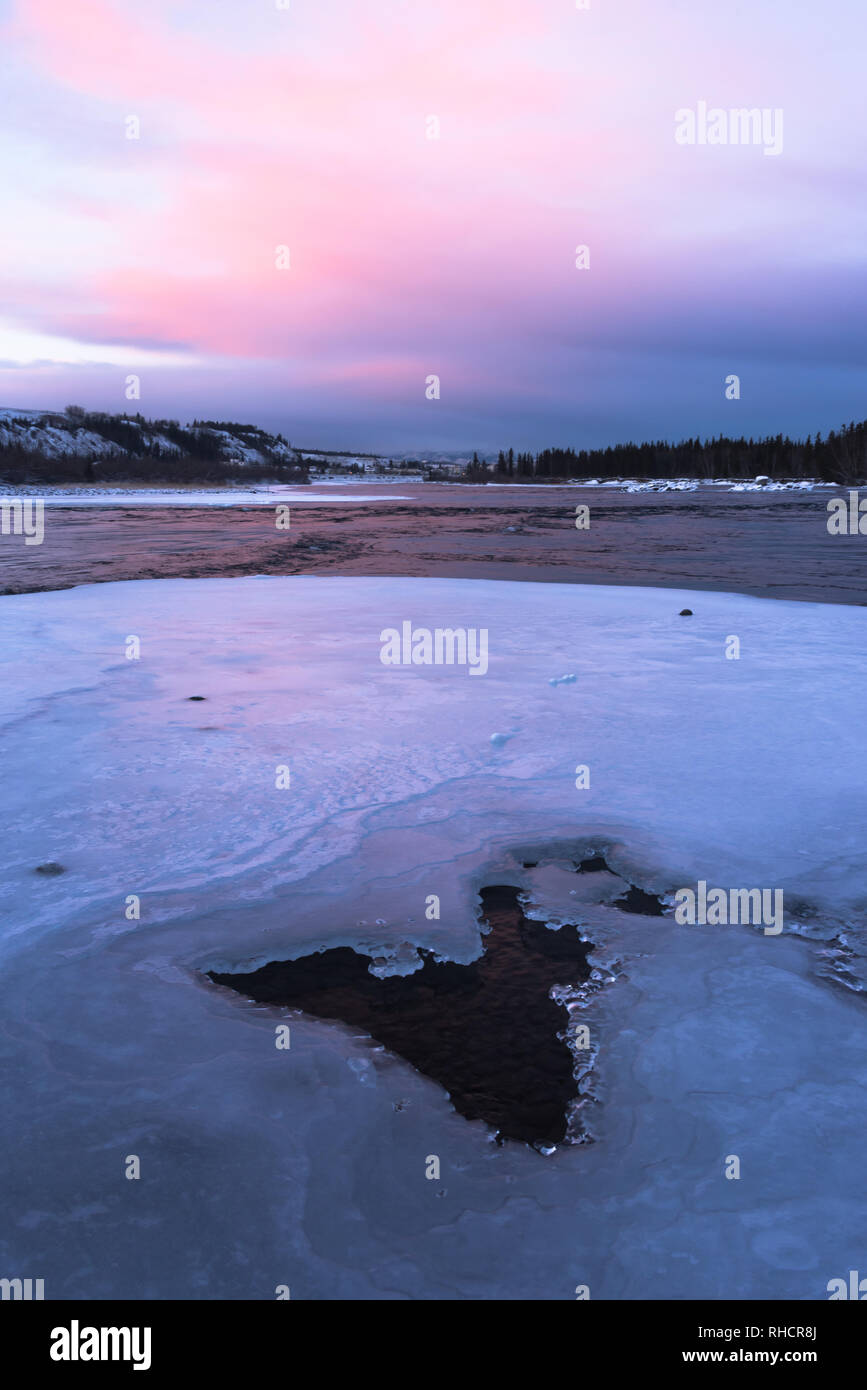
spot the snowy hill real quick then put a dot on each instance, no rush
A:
(117, 445)
(76, 445)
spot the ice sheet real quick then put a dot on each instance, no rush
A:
(263, 1167)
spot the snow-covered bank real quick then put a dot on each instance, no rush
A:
(266, 495)
(263, 1167)
(666, 484)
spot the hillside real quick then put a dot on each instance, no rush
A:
(77, 445)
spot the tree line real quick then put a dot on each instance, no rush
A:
(839, 458)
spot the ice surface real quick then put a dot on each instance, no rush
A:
(268, 495)
(671, 484)
(307, 1167)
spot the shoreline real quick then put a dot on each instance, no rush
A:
(230, 493)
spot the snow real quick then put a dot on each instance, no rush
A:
(693, 484)
(237, 450)
(167, 446)
(306, 1167)
(57, 434)
(669, 484)
(58, 443)
(267, 495)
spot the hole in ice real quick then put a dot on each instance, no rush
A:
(594, 865)
(635, 900)
(486, 1031)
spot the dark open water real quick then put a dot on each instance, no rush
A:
(769, 544)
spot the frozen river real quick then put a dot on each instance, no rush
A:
(315, 798)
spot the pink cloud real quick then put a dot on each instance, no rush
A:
(308, 130)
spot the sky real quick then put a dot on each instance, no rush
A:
(298, 212)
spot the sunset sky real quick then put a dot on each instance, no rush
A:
(306, 127)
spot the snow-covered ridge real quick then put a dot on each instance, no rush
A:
(98, 435)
